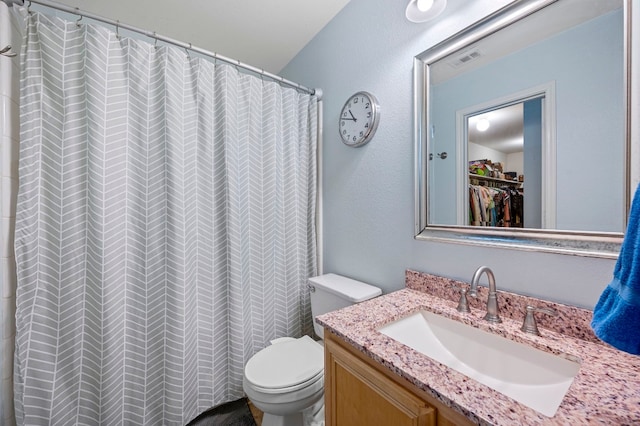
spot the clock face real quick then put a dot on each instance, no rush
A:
(359, 119)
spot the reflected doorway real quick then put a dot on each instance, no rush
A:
(504, 151)
(508, 165)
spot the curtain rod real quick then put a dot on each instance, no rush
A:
(153, 35)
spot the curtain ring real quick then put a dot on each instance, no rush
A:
(186, 50)
(118, 29)
(6, 51)
(155, 40)
(79, 19)
(29, 8)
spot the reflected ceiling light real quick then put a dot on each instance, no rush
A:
(424, 10)
(482, 124)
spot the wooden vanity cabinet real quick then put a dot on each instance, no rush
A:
(361, 392)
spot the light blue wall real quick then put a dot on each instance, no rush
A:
(368, 191)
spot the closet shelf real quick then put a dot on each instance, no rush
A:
(492, 179)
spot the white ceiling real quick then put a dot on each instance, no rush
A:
(264, 33)
(506, 130)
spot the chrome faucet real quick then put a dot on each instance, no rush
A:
(492, 301)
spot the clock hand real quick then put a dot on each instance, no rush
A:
(354, 119)
(350, 119)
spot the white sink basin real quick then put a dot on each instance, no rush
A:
(532, 377)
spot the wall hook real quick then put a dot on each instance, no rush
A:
(442, 155)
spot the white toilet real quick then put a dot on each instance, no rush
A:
(286, 379)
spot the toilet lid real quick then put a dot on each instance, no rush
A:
(286, 364)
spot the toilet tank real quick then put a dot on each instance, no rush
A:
(330, 292)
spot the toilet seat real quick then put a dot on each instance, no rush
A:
(286, 366)
(307, 384)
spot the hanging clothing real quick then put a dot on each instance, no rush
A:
(165, 227)
(517, 209)
(490, 206)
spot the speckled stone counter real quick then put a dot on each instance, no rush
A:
(605, 391)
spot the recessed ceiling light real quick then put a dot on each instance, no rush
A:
(482, 125)
(424, 10)
(424, 5)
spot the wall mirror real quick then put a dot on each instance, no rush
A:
(523, 129)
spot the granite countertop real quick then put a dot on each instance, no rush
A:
(606, 389)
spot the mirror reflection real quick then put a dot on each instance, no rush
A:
(549, 91)
(495, 152)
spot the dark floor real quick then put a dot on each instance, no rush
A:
(235, 413)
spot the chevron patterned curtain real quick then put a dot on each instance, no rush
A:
(165, 227)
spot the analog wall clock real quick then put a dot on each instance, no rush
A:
(359, 119)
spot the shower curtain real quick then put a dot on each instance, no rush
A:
(165, 227)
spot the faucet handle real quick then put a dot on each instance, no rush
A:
(529, 325)
(463, 303)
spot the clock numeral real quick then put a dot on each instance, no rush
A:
(354, 138)
(366, 126)
(366, 105)
(361, 134)
(355, 100)
(369, 114)
(342, 123)
(344, 132)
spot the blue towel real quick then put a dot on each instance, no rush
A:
(616, 317)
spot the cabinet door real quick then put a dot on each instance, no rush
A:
(358, 395)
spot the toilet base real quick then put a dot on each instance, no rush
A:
(312, 416)
(294, 419)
